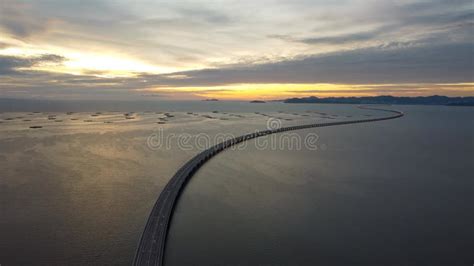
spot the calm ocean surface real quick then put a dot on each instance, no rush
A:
(397, 192)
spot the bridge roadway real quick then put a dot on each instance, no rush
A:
(151, 247)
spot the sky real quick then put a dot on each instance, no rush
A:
(235, 50)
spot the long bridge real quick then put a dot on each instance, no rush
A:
(151, 247)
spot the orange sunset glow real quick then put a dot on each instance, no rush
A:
(208, 50)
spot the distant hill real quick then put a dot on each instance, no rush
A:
(424, 100)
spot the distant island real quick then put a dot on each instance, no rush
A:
(421, 100)
(211, 100)
(257, 101)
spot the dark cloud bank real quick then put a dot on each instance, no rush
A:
(447, 63)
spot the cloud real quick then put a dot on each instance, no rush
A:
(4, 45)
(203, 14)
(405, 89)
(389, 21)
(12, 64)
(409, 64)
(16, 18)
(414, 64)
(341, 39)
(190, 35)
(217, 43)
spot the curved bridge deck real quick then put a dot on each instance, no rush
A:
(151, 248)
